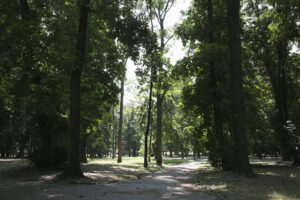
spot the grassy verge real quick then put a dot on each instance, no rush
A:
(107, 170)
(273, 180)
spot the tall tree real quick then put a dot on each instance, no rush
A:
(161, 10)
(150, 93)
(240, 152)
(121, 123)
(215, 96)
(273, 29)
(74, 138)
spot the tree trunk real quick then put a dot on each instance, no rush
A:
(159, 129)
(121, 123)
(277, 90)
(83, 158)
(240, 155)
(281, 104)
(159, 102)
(277, 78)
(113, 136)
(27, 57)
(150, 146)
(214, 95)
(148, 125)
(23, 144)
(194, 153)
(73, 154)
(24, 9)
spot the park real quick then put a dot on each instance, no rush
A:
(149, 99)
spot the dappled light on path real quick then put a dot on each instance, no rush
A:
(175, 182)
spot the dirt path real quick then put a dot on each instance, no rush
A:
(174, 182)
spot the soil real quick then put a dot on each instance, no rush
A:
(175, 182)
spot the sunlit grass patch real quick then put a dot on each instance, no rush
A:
(272, 181)
(106, 170)
(175, 161)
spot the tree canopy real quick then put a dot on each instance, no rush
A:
(234, 93)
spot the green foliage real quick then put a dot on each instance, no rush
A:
(37, 53)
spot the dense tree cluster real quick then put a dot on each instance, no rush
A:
(234, 94)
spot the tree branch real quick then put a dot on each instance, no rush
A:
(167, 8)
(169, 39)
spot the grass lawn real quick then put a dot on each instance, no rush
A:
(107, 170)
(274, 180)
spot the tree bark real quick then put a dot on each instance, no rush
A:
(120, 123)
(240, 154)
(159, 98)
(27, 58)
(148, 124)
(150, 146)
(73, 154)
(83, 158)
(113, 136)
(159, 129)
(214, 95)
(25, 12)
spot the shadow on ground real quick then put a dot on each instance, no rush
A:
(271, 182)
(22, 170)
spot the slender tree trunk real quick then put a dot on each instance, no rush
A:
(159, 102)
(160, 15)
(150, 145)
(113, 136)
(241, 160)
(159, 129)
(148, 123)
(120, 123)
(152, 71)
(194, 153)
(73, 154)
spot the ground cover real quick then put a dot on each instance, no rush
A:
(96, 171)
(274, 179)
